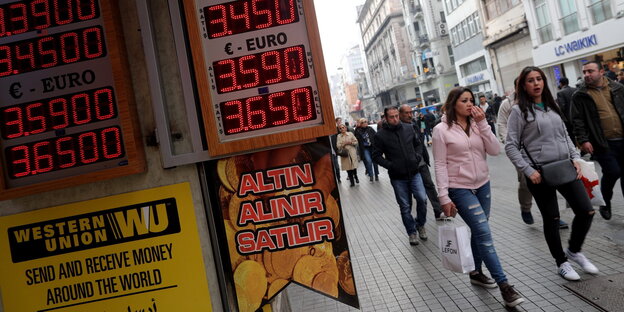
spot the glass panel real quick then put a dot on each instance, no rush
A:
(570, 24)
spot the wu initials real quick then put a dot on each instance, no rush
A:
(142, 220)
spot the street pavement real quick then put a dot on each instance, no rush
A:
(391, 275)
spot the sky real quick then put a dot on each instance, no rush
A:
(337, 20)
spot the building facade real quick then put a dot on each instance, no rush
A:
(472, 62)
(507, 40)
(566, 34)
(430, 48)
(387, 52)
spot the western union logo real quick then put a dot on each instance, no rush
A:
(92, 230)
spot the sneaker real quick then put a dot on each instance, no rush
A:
(422, 233)
(566, 271)
(605, 212)
(482, 280)
(511, 297)
(527, 217)
(581, 260)
(562, 225)
(413, 239)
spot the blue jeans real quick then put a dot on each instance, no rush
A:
(474, 208)
(368, 162)
(612, 164)
(403, 191)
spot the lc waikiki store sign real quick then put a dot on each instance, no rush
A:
(138, 251)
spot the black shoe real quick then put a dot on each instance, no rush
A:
(371, 178)
(510, 296)
(357, 180)
(352, 184)
(527, 217)
(482, 280)
(376, 178)
(605, 212)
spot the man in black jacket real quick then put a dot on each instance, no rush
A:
(598, 120)
(395, 148)
(564, 100)
(406, 116)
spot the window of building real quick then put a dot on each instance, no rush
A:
(473, 67)
(543, 21)
(471, 24)
(442, 17)
(495, 8)
(569, 20)
(600, 10)
(454, 38)
(451, 55)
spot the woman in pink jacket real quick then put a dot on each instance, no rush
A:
(460, 144)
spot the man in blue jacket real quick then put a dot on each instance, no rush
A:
(395, 148)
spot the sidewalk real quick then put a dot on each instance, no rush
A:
(391, 275)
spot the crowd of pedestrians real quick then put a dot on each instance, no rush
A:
(536, 130)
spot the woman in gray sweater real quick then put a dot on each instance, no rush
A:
(536, 123)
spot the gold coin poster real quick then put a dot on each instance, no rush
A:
(137, 251)
(282, 222)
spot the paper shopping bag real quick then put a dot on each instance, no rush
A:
(590, 180)
(454, 243)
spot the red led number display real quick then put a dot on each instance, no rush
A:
(50, 51)
(57, 113)
(261, 69)
(242, 16)
(64, 152)
(269, 110)
(24, 16)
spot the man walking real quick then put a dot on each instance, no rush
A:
(598, 121)
(564, 100)
(405, 115)
(395, 148)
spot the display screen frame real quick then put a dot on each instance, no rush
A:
(205, 51)
(111, 70)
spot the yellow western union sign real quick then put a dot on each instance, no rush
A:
(138, 251)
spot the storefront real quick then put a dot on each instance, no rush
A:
(565, 57)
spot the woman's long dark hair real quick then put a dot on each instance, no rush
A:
(449, 106)
(524, 100)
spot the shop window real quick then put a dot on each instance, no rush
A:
(569, 19)
(600, 10)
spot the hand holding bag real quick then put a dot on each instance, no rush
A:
(454, 243)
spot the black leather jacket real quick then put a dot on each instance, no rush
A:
(396, 149)
(585, 118)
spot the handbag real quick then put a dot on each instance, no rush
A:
(555, 173)
(454, 244)
(342, 152)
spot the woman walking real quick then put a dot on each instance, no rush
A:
(347, 141)
(535, 130)
(365, 135)
(461, 143)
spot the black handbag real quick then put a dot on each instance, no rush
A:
(555, 173)
(342, 152)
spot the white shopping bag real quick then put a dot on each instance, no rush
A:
(454, 242)
(590, 180)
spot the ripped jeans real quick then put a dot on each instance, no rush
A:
(474, 208)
